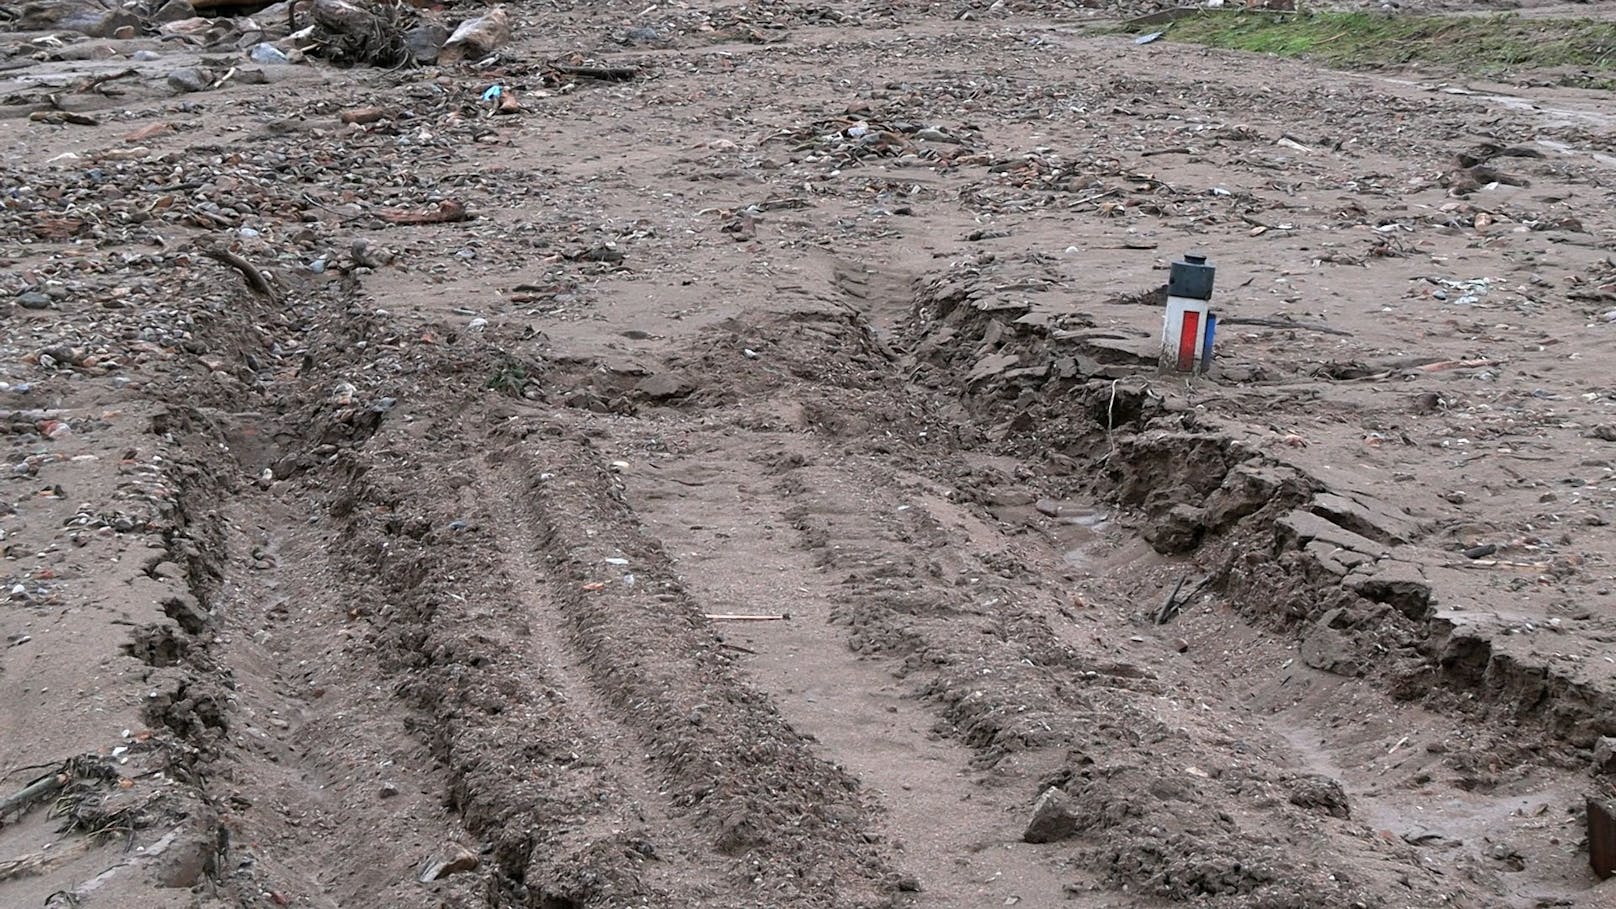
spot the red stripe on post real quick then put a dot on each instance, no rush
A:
(1187, 339)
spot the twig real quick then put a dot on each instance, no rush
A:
(1282, 322)
(255, 278)
(1111, 420)
(736, 617)
(1172, 606)
(1176, 603)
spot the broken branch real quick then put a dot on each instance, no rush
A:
(255, 278)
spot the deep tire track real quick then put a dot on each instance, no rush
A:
(681, 864)
(794, 825)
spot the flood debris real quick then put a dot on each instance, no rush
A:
(361, 31)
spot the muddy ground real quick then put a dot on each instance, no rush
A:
(765, 494)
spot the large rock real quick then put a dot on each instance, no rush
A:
(478, 37)
(1052, 818)
(174, 11)
(1605, 756)
(189, 79)
(81, 16)
(425, 40)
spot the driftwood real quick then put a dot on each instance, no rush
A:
(255, 278)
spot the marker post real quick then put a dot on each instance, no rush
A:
(1189, 325)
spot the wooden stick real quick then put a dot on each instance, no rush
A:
(255, 278)
(39, 789)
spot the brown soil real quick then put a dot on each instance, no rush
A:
(753, 485)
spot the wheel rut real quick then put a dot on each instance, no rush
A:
(728, 530)
(726, 766)
(681, 869)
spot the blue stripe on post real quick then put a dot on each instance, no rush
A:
(1211, 336)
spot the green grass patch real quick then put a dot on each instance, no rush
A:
(1472, 44)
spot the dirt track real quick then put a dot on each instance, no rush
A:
(842, 317)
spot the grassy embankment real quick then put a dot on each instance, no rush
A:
(1482, 45)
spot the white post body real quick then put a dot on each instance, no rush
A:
(1184, 334)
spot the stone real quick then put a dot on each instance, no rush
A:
(1052, 818)
(387, 790)
(1177, 531)
(453, 858)
(990, 366)
(425, 41)
(189, 79)
(1605, 755)
(664, 386)
(33, 300)
(1333, 559)
(174, 11)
